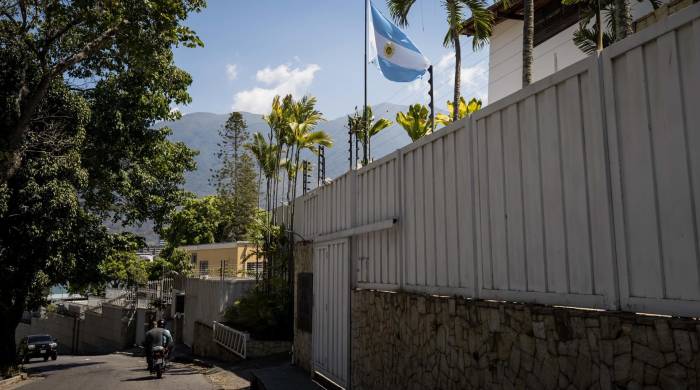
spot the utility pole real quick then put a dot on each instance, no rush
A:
(321, 165)
(365, 145)
(306, 170)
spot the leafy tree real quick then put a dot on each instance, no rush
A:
(124, 268)
(171, 261)
(236, 180)
(81, 85)
(482, 20)
(416, 121)
(197, 222)
(465, 109)
(79, 42)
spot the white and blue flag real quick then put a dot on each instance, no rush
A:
(397, 57)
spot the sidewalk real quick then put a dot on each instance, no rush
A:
(269, 373)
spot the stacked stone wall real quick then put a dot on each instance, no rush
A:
(409, 341)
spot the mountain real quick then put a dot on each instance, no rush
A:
(199, 131)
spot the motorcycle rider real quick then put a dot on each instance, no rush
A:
(156, 337)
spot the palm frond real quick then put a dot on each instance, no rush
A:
(399, 9)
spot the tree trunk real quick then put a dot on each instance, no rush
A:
(599, 30)
(623, 19)
(458, 76)
(528, 40)
(9, 319)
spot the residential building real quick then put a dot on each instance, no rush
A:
(554, 48)
(225, 259)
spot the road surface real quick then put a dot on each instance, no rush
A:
(106, 372)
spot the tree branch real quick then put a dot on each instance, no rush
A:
(88, 49)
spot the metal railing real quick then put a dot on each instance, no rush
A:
(231, 339)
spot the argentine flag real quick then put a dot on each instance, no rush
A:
(397, 57)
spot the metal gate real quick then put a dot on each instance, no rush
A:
(331, 310)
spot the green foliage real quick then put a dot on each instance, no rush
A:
(125, 269)
(81, 85)
(358, 123)
(465, 110)
(416, 122)
(236, 181)
(264, 314)
(197, 222)
(81, 42)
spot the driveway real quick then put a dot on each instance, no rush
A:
(115, 371)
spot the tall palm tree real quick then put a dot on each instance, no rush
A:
(528, 39)
(482, 20)
(623, 19)
(265, 154)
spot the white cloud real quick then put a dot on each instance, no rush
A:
(281, 80)
(446, 62)
(474, 80)
(231, 71)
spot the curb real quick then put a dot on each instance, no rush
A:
(13, 380)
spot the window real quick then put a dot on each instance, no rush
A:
(203, 268)
(253, 267)
(305, 296)
(180, 303)
(194, 258)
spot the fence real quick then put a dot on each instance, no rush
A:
(582, 189)
(231, 339)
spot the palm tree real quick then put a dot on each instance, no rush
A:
(265, 154)
(528, 39)
(482, 20)
(623, 19)
(416, 121)
(465, 109)
(356, 124)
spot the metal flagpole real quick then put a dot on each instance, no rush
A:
(365, 145)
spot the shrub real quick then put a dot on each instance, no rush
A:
(263, 314)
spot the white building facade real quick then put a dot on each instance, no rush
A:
(552, 53)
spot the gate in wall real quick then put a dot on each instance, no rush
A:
(331, 310)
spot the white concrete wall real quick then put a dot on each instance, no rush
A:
(558, 52)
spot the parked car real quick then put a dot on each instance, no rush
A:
(38, 346)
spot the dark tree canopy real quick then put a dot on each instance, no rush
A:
(80, 41)
(81, 85)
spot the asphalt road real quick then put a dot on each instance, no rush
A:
(116, 371)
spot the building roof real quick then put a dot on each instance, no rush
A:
(501, 13)
(216, 245)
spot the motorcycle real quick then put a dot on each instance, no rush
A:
(159, 361)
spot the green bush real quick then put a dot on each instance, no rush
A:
(263, 314)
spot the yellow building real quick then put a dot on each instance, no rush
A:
(228, 259)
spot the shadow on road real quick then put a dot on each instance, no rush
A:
(57, 367)
(140, 379)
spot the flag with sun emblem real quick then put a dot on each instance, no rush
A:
(397, 57)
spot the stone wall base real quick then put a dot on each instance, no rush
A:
(410, 341)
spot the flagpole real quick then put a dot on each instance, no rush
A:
(365, 145)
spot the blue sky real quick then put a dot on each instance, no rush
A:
(255, 49)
